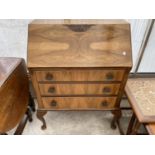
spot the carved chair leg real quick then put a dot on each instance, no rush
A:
(31, 103)
(40, 115)
(131, 123)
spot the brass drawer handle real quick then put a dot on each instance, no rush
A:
(51, 90)
(53, 103)
(106, 90)
(49, 76)
(110, 76)
(104, 103)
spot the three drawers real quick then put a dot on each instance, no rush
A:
(79, 89)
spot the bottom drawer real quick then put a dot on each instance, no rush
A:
(77, 103)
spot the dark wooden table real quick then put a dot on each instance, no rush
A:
(14, 95)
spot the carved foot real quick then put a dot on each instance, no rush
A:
(116, 121)
(116, 116)
(113, 123)
(40, 115)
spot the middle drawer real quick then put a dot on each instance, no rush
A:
(78, 89)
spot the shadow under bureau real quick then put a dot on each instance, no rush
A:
(79, 64)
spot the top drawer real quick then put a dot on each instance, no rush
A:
(80, 75)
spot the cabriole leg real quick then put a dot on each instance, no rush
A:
(40, 115)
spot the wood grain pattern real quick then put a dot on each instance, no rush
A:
(13, 92)
(79, 103)
(102, 45)
(78, 89)
(81, 75)
(75, 59)
(36, 87)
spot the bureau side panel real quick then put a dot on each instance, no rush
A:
(36, 87)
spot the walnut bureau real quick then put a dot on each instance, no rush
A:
(79, 64)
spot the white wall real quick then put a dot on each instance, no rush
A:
(13, 38)
(148, 61)
(138, 28)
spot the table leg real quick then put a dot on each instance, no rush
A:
(22, 124)
(31, 103)
(131, 123)
(135, 127)
(40, 114)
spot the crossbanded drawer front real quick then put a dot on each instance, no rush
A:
(78, 89)
(78, 103)
(80, 75)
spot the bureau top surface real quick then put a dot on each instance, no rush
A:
(7, 66)
(79, 43)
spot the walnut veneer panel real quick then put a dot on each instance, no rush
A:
(78, 103)
(80, 75)
(78, 89)
(86, 44)
(141, 93)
